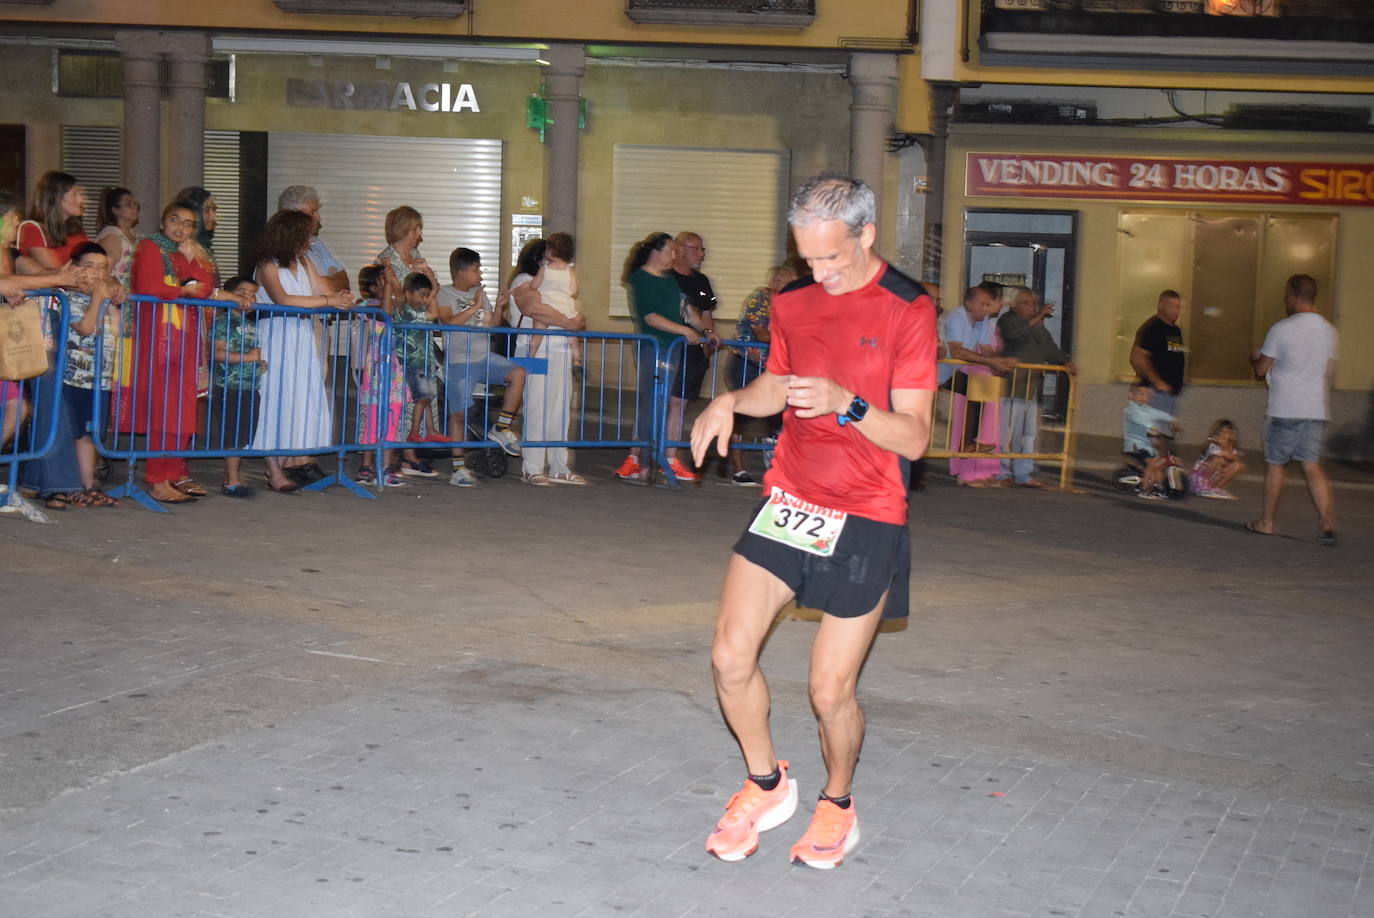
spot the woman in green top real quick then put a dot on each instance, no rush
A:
(657, 305)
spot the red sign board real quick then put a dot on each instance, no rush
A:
(1138, 178)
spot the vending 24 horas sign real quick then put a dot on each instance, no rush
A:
(1141, 178)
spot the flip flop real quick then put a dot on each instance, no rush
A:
(1251, 527)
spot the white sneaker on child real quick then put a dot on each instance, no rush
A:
(462, 478)
(506, 439)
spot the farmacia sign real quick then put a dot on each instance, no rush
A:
(381, 95)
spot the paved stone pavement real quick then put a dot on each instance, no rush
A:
(497, 703)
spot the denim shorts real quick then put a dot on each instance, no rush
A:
(462, 379)
(1286, 439)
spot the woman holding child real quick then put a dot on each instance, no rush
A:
(542, 293)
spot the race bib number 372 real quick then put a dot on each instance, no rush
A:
(801, 524)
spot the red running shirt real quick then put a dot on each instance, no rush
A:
(871, 340)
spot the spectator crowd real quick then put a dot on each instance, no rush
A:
(249, 375)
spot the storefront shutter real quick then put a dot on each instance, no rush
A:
(455, 184)
(93, 156)
(222, 180)
(736, 200)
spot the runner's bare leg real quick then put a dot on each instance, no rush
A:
(750, 599)
(837, 656)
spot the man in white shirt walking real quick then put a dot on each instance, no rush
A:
(1296, 360)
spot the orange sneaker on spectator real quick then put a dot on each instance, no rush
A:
(681, 471)
(630, 469)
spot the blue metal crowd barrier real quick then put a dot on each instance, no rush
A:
(186, 382)
(560, 409)
(180, 389)
(31, 409)
(733, 364)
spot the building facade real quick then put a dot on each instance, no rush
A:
(1098, 150)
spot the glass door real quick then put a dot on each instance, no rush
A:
(1028, 248)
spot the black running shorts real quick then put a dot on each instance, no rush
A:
(869, 558)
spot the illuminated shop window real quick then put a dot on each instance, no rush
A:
(1230, 268)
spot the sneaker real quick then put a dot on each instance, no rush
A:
(743, 479)
(833, 834)
(462, 478)
(393, 479)
(421, 469)
(630, 469)
(506, 439)
(1150, 495)
(750, 811)
(681, 472)
(367, 475)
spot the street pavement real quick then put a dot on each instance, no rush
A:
(496, 702)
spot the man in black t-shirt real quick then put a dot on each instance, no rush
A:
(698, 311)
(1158, 354)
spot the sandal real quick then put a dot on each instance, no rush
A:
(57, 502)
(289, 488)
(98, 498)
(191, 487)
(568, 477)
(539, 480)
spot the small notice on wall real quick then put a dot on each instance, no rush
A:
(524, 227)
(1161, 179)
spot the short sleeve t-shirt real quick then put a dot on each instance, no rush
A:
(1302, 347)
(323, 259)
(1165, 344)
(240, 335)
(31, 236)
(871, 340)
(462, 347)
(696, 291)
(80, 370)
(652, 294)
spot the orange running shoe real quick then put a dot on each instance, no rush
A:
(833, 834)
(629, 469)
(681, 472)
(750, 811)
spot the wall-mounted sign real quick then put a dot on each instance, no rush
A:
(382, 95)
(1161, 179)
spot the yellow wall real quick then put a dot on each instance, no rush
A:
(1096, 331)
(600, 21)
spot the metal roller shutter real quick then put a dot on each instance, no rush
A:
(455, 184)
(736, 200)
(93, 155)
(222, 180)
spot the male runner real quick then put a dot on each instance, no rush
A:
(852, 360)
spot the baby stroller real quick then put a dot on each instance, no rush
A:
(484, 462)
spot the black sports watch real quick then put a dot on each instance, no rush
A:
(857, 409)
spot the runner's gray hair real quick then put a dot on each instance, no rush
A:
(832, 196)
(294, 197)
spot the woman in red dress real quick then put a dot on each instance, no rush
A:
(166, 342)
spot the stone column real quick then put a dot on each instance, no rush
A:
(142, 56)
(187, 53)
(872, 117)
(562, 139)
